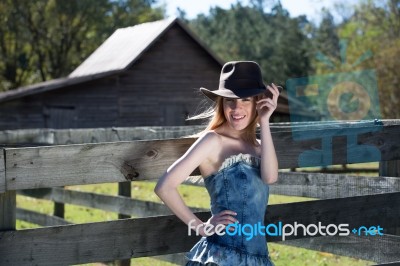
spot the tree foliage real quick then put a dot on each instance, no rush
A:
(274, 40)
(374, 29)
(45, 39)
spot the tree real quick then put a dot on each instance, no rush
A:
(46, 39)
(14, 53)
(273, 39)
(375, 27)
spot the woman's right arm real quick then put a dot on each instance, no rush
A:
(166, 187)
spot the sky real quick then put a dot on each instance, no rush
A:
(310, 8)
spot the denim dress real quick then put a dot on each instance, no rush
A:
(236, 186)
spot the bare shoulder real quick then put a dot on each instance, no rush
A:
(205, 144)
(211, 137)
(210, 145)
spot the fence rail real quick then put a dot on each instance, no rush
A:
(49, 167)
(158, 235)
(145, 160)
(118, 204)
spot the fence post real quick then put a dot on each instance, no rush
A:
(7, 210)
(124, 189)
(392, 169)
(8, 201)
(59, 209)
(389, 168)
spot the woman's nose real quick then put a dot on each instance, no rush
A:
(235, 104)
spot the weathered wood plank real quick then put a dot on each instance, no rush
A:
(7, 200)
(389, 168)
(140, 160)
(46, 136)
(329, 186)
(90, 163)
(59, 209)
(380, 249)
(106, 241)
(342, 143)
(395, 263)
(152, 236)
(123, 205)
(2, 172)
(177, 258)
(8, 205)
(324, 185)
(39, 218)
(313, 185)
(370, 210)
(360, 247)
(124, 190)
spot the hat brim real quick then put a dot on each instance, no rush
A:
(213, 95)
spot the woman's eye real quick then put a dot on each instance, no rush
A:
(246, 99)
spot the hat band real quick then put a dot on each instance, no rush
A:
(240, 84)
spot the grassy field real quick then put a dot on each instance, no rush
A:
(193, 196)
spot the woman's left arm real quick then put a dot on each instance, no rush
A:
(269, 162)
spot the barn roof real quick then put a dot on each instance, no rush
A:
(116, 54)
(126, 45)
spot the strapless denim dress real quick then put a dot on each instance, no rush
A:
(236, 186)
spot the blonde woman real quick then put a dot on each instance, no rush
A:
(237, 169)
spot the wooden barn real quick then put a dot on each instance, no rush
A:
(145, 75)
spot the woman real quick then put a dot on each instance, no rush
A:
(236, 167)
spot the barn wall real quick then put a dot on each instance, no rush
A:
(162, 87)
(20, 114)
(91, 104)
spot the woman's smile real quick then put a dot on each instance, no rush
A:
(237, 117)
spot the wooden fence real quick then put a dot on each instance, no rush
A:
(39, 171)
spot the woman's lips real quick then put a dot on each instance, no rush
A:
(237, 117)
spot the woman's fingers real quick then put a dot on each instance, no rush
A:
(266, 102)
(225, 217)
(228, 212)
(274, 90)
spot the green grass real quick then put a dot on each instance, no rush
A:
(351, 169)
(194, 197)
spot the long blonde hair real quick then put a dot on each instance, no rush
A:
(216, 117)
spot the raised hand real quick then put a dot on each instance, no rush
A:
(267, 105)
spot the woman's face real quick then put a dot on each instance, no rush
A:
(239, 113)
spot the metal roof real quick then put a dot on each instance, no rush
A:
(121, 48)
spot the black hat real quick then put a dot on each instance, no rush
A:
(238, 79)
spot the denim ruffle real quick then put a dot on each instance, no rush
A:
(208, 253)
(241, 157)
